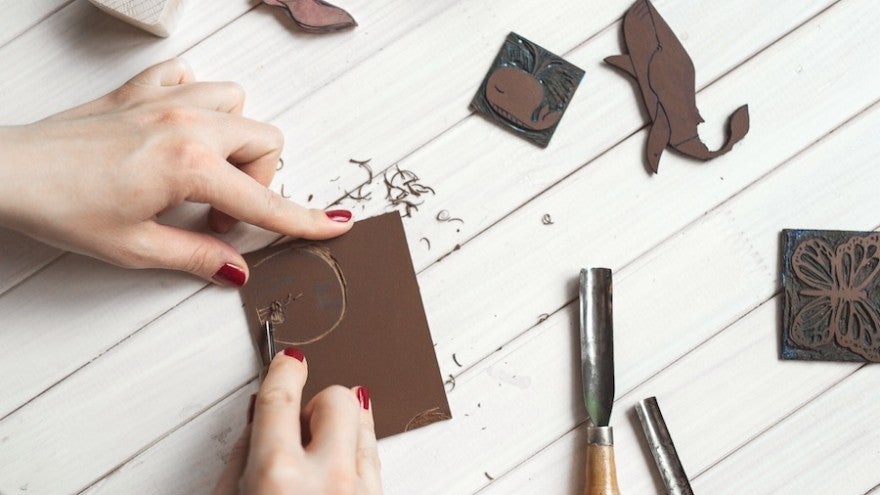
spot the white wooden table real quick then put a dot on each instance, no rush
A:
(115, 381)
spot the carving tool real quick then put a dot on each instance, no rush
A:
(269, 334)
(597, 368)
(662, 448)
(270, 341)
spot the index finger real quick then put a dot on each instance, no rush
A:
(235, 193)
(276, 425)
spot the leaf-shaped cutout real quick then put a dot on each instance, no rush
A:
(315, 16)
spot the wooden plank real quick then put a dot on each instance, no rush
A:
(20, 257)
(828, 446)
(18, 17)
(517, 392)
(90, 411)
(179, 465)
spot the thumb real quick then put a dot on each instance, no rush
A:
(168, 73)
(200, 254)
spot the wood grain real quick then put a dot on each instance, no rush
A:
(601, 471)
(126, 376)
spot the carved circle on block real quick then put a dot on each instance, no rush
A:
(306, 306)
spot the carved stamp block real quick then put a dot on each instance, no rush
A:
(527, 89)
(831, 308)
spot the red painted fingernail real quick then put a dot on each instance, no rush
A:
(230, 274)
(250, 416)
(294, 353)
(341, 216)
(364, 397)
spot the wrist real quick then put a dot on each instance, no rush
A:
(15, 163)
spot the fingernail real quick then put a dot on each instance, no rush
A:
(341, 216)
(250, 416)
(230, 274)
(364, 397)
(294, 353)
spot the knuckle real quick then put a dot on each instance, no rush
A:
(191, 154)
(174, 116)
(126, 93)
(335, 396)
(277, 396)
(272, 206)
(235, 90)
(198, 260)
(130, 252)
(276, 137)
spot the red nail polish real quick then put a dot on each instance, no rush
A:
(364, 397)
(250, 416)
(230, 274)
(341, 216)
(294, 353)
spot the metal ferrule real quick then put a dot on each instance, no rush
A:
(661, 445)
(600, 435)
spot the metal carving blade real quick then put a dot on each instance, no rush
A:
(597, 348)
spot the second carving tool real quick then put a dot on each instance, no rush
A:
(597, 369)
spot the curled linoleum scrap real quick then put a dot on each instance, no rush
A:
(315, 16)
(665, 74)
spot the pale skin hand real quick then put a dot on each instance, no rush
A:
(94, 178)
(269, 459)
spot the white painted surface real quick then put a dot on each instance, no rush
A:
(105, 389)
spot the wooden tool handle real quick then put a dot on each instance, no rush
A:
(601, 471)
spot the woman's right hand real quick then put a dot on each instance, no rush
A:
(340, 457)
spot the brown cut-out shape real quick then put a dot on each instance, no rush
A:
(834, 304)
(359, 320)
(315, 16)
(665, 75)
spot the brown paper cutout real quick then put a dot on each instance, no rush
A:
(315, 16)
(665, 75)
(352, 305)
